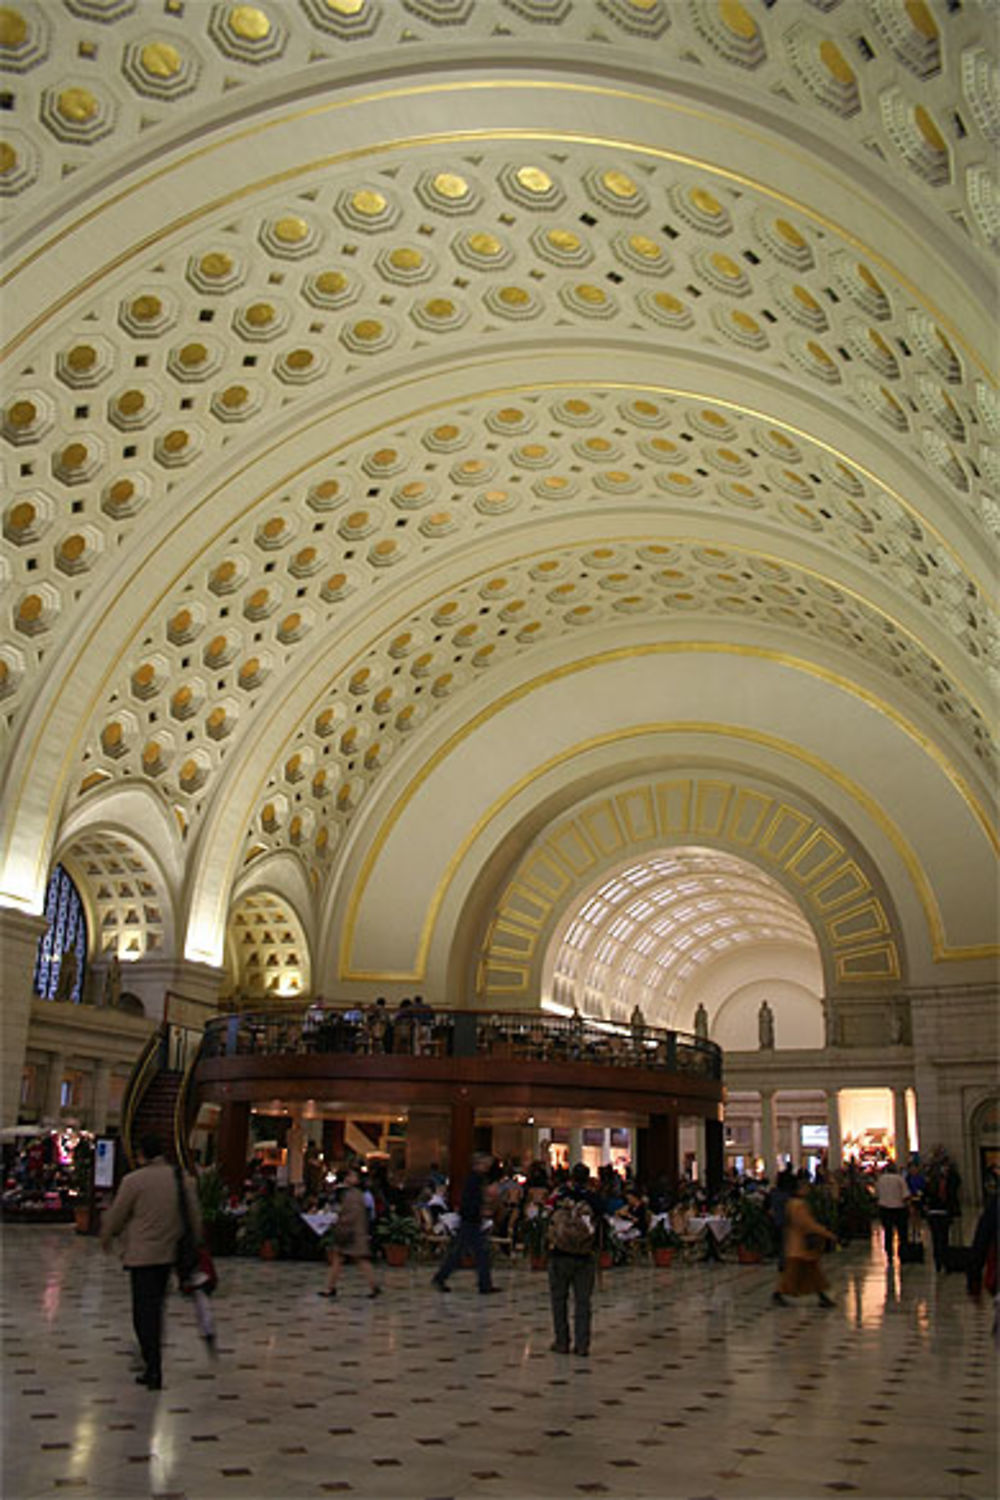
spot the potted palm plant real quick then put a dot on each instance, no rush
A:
(752, 1230)
(662, 1241)
(270, 1228)
(398, 1234)
(220, 1226)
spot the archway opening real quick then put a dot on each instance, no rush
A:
(687, 928)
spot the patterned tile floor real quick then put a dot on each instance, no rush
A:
(697, 1387)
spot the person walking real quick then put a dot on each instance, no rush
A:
(892, 1194)
(804, 1236)
(146, 1214)
(941, 1205)
(470, 1239)
(574, 1234)
(350, 1237)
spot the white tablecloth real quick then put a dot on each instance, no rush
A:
(714, 1224)
(320, 1223)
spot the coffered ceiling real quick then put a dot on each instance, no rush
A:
(365, 360)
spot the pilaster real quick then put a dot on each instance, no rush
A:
(19, 936)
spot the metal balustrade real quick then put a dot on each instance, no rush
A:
(529, 1035)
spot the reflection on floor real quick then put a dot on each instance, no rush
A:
(696, 1387)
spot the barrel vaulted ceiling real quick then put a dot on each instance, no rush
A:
(370, 362)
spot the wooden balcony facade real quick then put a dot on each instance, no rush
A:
(464, 1062)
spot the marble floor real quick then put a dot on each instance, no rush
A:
(697, 1387)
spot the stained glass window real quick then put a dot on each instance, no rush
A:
(66, 932)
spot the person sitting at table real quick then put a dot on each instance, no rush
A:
(635, 1212)
(403, 1028)
(379, 1027)
(423, 1027)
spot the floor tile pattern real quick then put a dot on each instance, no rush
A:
(697, 1388)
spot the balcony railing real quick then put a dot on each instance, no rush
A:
(527, 1035)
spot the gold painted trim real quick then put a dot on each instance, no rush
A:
(940, 949)
(406, 143)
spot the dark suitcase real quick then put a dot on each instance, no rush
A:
(957, 1258)
(911, 1253)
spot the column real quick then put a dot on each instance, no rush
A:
(428, 1130)
(19, 937)
(53, 1087)
(795, 1141)
(900, 1126)
(715, 1155)
(100, 1096)
(755, 1143)
(463, 1116)
(295, 1143)
(233, 1141)
(700, 1150)
(575, 1147)
(658, 1151)
(768, 1129)
(540, 1143)
(835, 1150)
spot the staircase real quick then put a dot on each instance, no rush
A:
(158, 1101)
(156, 1112)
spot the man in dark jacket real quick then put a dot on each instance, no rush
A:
(470, 1239)
(574, 1240)
(146, 1213)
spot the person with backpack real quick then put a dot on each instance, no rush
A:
(573, 1235)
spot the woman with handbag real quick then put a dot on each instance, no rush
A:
(349, 1237)
(805, 1238)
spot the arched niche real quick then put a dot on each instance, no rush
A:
(268, 956)
(124, 853)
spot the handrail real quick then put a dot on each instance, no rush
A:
(141, 1077)
(534, 1035)
(185, 1109)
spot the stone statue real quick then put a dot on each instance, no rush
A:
(701, 1023)
(765, 1025)
(69, 967)
(899, 1022)
(113, 983)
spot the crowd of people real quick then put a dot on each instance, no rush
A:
(565, 1212)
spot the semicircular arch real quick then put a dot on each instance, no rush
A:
(827, 874)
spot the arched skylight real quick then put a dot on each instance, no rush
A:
(639, 937)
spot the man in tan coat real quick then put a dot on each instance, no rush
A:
(146, 1214)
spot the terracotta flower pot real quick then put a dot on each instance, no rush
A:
(662, 1255)
(605, 1260)
(396, 1255)
(539, 1262)
(268, 1250)
(748, 1257)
